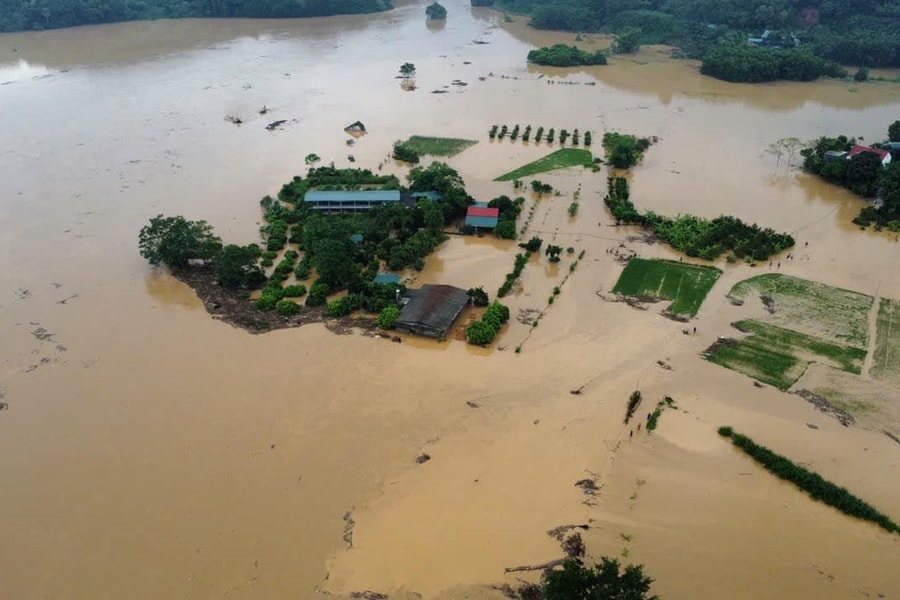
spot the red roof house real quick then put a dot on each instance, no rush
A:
(482, 217)
(884, 155)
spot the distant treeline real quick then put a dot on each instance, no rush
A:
(19, 15)
(849, 32)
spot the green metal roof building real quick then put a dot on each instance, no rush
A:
(338, 201)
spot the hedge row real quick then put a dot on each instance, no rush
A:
(811, 483)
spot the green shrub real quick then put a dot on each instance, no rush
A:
(274, 290)
(387, 317)
(318, 294)
(270, 255)
(633, 401)
(266, 303)
(267, 262)
(340, 308)
(291, 255)
(480, 333)
(302, 271)
(286, 308)
(532, 245)
(405, 153)
(506, 229)
(479, 296)
(294, 291)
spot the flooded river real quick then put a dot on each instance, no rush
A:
(149, 451)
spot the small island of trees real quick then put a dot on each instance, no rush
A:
(755, 64)
(435, 12)
(561, 55)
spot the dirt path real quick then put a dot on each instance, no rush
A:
(873, 334)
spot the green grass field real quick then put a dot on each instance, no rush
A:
(565, 157)
(886, 364)
(685, 285)
(779, 356)
(438, 146)
(819, 310)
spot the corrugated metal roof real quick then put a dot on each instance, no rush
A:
(386, 278)
(882, 154)
(479, 211)
(432, 309)
(431, 195)
(484, 222)
(353, 196)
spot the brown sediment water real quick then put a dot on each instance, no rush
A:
(150, 451)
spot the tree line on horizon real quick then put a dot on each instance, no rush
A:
(849, 32)
(17, 15)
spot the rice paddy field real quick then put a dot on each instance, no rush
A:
(685, 285)
(561, 159)
(779, 356)
(438, 146)
(819, 310)
(886, 364)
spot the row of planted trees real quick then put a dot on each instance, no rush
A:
(500, 132)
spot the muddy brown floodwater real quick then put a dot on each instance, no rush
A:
(149, 451)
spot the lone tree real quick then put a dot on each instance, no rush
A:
(312, 159)
(628, 41)
(408, 70)
(894, 131)
(436, 12)
(600, 582)
(173, 241)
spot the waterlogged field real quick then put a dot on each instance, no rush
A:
(816, 309)
(561, 159)
(886, 364)
(438, 146)
(685, 285)
(779, 356)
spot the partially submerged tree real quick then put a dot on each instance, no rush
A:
(173, 241)
(408, 70)
(436, 12)
(605, 581)
(312, 159)
(627, 42)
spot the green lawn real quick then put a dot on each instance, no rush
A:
(565, 157)
(685, 285)
(886, 365)
(438, 146)
(779, 356)
(819, 310)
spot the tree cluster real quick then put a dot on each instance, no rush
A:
(696, 236)
(622, 150)
(561, 55)
(16, 15)
(755, 64)
(863, 174)
(483, 331)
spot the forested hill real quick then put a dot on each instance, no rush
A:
(851, 32)
(18, 15)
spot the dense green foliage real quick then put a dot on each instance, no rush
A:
(16, 15)
(483, 332)
(622, 150)
(405, 152)
(236, 267)
(696, 236)
(518, 267)
(856, 32)
(810, 482)
(387, 316)
(894, 131)
(561, 55)
(755, 64)
(628, 41)
(863, 174)
(684, 284)
(436, 12)
(173, 241)
(437, 146)
(605, 581)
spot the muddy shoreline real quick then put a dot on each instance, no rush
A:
(235, 308)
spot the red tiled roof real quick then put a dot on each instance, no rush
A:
(479, 211)
(882, 154)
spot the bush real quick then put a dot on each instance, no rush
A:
(479, 296)
(294, 291)
(533, 245)
(318, 294)
(266, 303)
(405, 153)
(602, 582)
(862, 74)
(506, 229)
(287, 308)
(387, 317)
(340, 308)
(480, 333)
(303, 270)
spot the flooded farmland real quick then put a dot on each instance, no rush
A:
(150, 451)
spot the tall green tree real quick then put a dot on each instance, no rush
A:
(237, 267)
(863, 173)
(628, 41)
(173, 241)
(408, 70)
(894, 131)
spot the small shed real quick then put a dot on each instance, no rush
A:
(386, 279)
(431, 310)
(482, 217)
